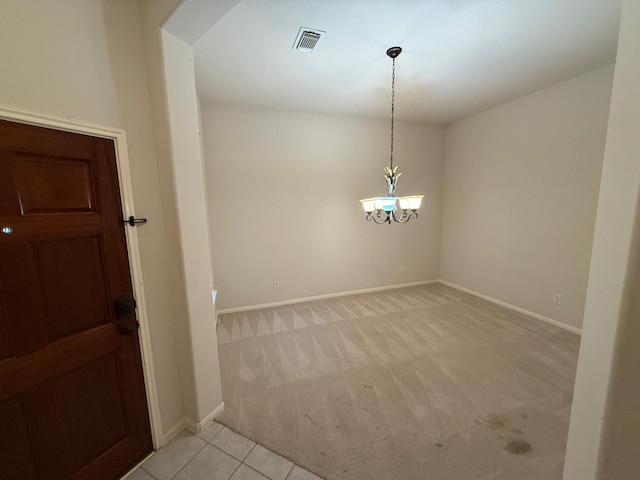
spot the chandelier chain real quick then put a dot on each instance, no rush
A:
(391, 208)
(393, 95)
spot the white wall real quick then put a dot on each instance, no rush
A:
(520, 192)
(85, 60)
(153, 15)
(605, 425)
(188, 168)
(284, 190)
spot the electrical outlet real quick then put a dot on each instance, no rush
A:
(403, 268)
(276, 284)
(557, 298)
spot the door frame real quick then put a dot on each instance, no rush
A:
(119, 137)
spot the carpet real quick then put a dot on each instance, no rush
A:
(416, 383)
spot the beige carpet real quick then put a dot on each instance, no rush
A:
(419, 383)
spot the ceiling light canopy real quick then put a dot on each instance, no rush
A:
(392, 208)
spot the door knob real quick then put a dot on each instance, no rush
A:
(125, 306)
(128, 328)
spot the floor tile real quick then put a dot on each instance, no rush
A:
(168, 461)
(232, 443)
(299, 473)
(268, 463)
(246, 473)
(211, 431)
(210, 463)
(139, 474)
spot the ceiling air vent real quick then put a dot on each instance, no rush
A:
(307, 39)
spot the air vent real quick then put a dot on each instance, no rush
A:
(307, 39)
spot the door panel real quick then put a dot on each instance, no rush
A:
(71, 385)
(93, 409)
(72, 283)
(16, 453)
(49, 431)
(53, 185)
(25, 317)
(6, 347)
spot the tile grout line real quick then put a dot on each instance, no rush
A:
(290, 470)
(218, 448)
(245, 457)
(257, 471)
(240, 461)
(234, 472)
(148, 472)
(190, 460)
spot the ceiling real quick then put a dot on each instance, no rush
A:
(459, 56)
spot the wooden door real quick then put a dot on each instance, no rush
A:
(72, 397)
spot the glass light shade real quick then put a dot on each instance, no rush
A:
(369, 204)
(412, 202)
(388, 204)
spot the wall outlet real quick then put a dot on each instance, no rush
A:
(557, 298)
(403, 268)
(276, 284)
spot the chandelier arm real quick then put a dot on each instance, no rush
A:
(380, 216)
(377, 218)
(405, 217)
(384, 217)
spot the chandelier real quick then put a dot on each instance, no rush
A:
(392, 208)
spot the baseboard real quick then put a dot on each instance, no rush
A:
(191, 425)
(175, 429)
(197, 427)
(537, 316)
(322, 297)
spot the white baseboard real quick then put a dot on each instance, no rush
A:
(322, 297)
(197, 427)
(537, 316)
(191, 425)
(171, 432)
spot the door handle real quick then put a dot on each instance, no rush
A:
(133, 221)
(128, 328)
(125, 306)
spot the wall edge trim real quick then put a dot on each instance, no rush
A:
(191, 425)
(197, 427)
(322, 297)
(537, 316)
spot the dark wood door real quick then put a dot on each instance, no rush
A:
(72, 397)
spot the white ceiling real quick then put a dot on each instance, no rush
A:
(459, 56)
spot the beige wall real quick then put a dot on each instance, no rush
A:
(188, 170)
(154, 14)
(520, 192)
(85, 60)
(605, 425)
(284, 190)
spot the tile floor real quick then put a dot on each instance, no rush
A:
(217, 453)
